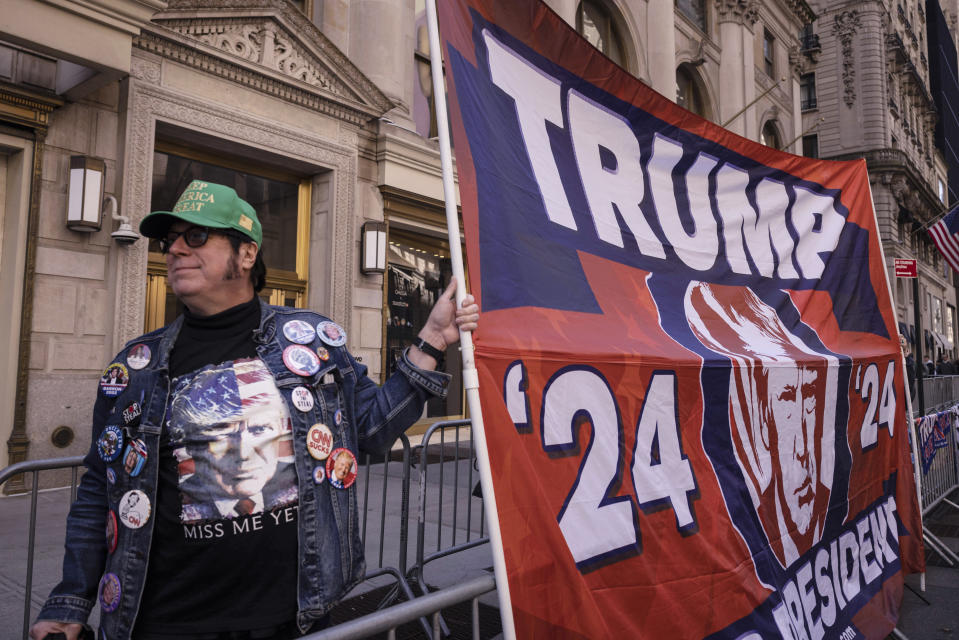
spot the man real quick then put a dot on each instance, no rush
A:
(910, 365)
(231, 530)
(782, 410)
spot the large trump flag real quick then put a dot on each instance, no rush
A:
(688, 360)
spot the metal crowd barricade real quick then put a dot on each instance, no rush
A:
(466, 527)
(34, 467)
(428, 605)
(381, 486)
(939, 481)
(940, 392)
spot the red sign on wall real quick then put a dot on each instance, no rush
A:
(906, 268)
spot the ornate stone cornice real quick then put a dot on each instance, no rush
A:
(742, 11)
(894, 169)
(171, 46)
(26, 107)
(270, 46)
(802, 11)
(844, 29)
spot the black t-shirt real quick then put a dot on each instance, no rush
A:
(224, 552)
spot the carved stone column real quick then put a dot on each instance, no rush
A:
(737, 63)
(661, 35)
(381, 45)
(795, 71)
(565, 8)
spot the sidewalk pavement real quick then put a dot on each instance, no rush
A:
(938, 620)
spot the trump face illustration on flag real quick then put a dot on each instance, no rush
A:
(782, 412)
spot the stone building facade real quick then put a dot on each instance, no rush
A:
(319, 113)
(870, 77)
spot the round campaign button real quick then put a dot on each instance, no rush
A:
(302, 398)
(109, 592)
(341, 468)
(135, 457)
(299, 332)
(323, 353)
(134, 509)
(331, 333)
(111, 531)
(319, 441)
(111, 476)
(319, 474)
(338, 417)
(301, 360)
(114, 380)
(110, 443)
(139, 356)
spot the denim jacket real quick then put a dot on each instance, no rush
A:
(330, 549)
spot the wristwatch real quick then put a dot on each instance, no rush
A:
(430, 350)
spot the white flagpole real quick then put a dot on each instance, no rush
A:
(470, 377)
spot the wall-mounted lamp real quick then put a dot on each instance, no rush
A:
(86, 194)
(124, 233)
(374, 247)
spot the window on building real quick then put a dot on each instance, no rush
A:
(596, 23)
(424, 107)
(769, 53)
(807, 91)
(689, 94)
(306, 6)
(808, 40)
(950, 324)
(942, 190)
(810, 146)
(695, 10)
(770, 135)
(937, 315)
(281, 202)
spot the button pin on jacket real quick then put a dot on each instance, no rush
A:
(135, 457)
(331, 333)
(110, 443)
(134, 509)
(341, 468)
(301, 360)
(131, 415)
(302, 398)
(323, 353)
(319, 474)
(319, 441)
(114, 380)
(299, 332)
(111, 476)
(109, 592)
(111, 531)
(139, 356)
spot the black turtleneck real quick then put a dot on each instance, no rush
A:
(222, 337)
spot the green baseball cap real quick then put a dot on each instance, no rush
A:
(209, 205)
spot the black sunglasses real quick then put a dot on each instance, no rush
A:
(194, 237)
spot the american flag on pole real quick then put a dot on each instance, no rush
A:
(944, 233)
